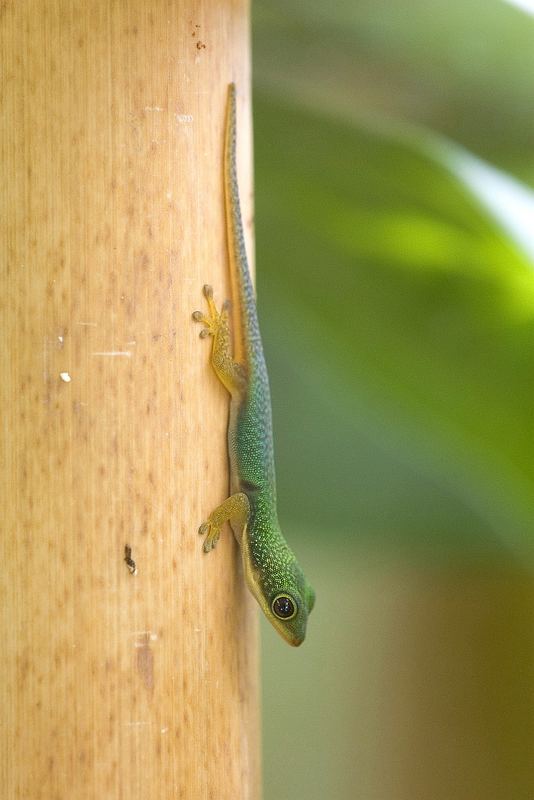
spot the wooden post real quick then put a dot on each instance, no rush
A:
(118, 685)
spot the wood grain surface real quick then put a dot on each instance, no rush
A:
(114, 684)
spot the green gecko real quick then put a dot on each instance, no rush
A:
(271, 570)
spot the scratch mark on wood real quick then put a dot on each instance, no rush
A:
(126, 353)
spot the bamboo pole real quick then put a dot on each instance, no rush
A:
(114, 684)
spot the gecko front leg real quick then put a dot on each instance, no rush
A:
(235, 509)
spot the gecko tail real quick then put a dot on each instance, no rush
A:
(247, 328)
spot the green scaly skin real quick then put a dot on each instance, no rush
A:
(271, 570)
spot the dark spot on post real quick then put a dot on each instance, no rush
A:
(130, 563)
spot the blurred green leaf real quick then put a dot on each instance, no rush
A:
(400, 318)
(464, 69)
(396, 293)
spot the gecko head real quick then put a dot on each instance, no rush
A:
(288, 607)
(281, 589)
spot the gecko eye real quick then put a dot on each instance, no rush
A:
(283, 607)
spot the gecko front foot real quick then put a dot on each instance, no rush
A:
(212, 533)
(235, 509)
(215, 319)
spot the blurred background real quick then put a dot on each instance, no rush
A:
(394, 147)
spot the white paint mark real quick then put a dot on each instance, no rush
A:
(149, 634)
(164, 730)
(184, 117)
(132, 724)
(92, 324)
(132, 342)
(146, 635)
(60, 339)
(154, 108)
(65, 377)
(125, 353)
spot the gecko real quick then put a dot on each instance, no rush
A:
(271, 570)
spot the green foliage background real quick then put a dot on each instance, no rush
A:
(395, 254)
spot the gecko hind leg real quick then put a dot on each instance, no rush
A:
(216, 324)
(235, 509)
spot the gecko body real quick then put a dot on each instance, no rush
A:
(271, 570)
